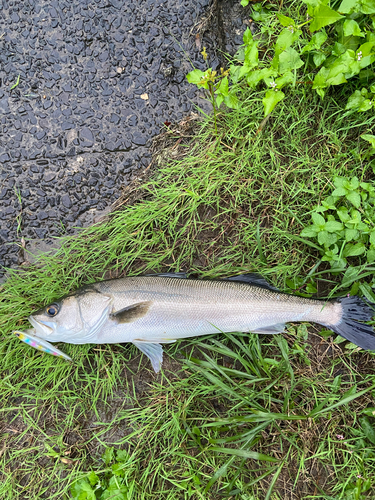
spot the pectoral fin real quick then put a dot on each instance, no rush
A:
(131, 313)
(154, 352)
(271, 329)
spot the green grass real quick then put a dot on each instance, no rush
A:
(206, 427)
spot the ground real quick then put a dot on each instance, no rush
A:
(241, 415)
(232, 415)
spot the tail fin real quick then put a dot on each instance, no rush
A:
(355, 309)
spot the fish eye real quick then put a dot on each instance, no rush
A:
(52, 310)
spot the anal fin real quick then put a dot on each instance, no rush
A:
(271, 329)
(153, 351)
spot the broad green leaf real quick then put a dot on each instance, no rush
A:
(338, 49)
(284, 80)
(351, 27)
(368, 429)
(286, 39)
(254, 77)
(340, 191)
(337, 79)
(122, 456)
(219, 100)
(240, 73)
(108, 455)
(330, 202)
(245, 3)
(358, 101)
(372, 238)
(247, 36)
(318, 220)
(340, 67)
(367, 6)
(319, 58)
(320, 80)
(361, 226)
(235, 72)
(223, 87)
(114, 494)
(323, 238)
(369, 411)
(289, 60)
(309, 232)
(115, 486)
(309, 289)
(316, 42)
(93, 478)
(355, 220)
(370, 138)
(245, 454)
(270, 100)
(351, 234)
(312, 3)
(353, 183)
(348, 6)
(343, 214)
(196, 77)
(327, 239)
(251, 55)
(231, 100)
(357, 66)
(354, 198)
(339, 181)
(351, 250)
(366, 48)
(81, 490)
(333, 226)
(323, 16)
(284, 20)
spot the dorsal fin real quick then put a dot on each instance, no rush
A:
(181, 275)
(253, 279)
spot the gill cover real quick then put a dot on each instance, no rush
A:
(76, 319)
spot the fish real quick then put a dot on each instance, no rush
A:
(153, 310)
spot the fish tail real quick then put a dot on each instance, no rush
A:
(354, 310)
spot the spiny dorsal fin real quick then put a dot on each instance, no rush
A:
(253, 279)
(131, 313)
(169, 275)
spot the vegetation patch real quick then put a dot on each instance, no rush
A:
(230, 415)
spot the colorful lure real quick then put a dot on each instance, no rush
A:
(39, 344)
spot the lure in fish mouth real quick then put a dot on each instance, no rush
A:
(153, 310)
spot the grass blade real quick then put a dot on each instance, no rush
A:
(245, 454)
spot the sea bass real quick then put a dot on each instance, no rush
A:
(159, 309)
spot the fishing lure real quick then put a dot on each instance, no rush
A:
(39, 344)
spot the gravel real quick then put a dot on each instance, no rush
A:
(97, 80)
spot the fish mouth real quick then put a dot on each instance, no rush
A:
(41, 328)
